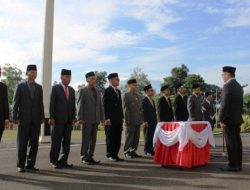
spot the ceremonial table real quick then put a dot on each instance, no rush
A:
(183, 144)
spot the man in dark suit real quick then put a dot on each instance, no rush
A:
(208, 109)
(231, 118)
(150, 119)
(62, 117)
(165, 109)
(28, 113)
(113, 117)
(4, 107)
(90, 114)
(194, 104)
(180, 104)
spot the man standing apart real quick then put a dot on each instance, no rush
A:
(62, 117)
(4, 107)
(208, 109)
(90, 114)
(194, 104)
(230, 118)
(113, 117)
(180, 104)
(28, 113)
(133, 119)
(165, 109)
(150, 119)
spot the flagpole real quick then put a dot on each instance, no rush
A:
(47, 67)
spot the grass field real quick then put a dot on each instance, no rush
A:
(76, 134)
(10, 135)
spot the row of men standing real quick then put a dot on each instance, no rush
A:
(28, 113)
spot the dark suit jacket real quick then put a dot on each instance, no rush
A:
(164, 110)
(180, 108)
(231, 103)
(149, 112)
(113, 106)
(4, 104)
(61, 109)
(194, 108)
(208, 112)
(25, 108)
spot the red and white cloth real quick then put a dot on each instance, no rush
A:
(184, 144)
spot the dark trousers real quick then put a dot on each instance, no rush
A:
(60, 138)
(27, 135)
(1, 132)
(234, 145)
(113, 139)
(148, 138)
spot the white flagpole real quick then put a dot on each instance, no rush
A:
(47, 66)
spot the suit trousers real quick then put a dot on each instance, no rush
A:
(60, 138)
(234, 145)
(132, 137)
(1, 132)
(27, 135)
(113, 139)
(89, 134)
(148, 138)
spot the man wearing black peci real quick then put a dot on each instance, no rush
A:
(28, 113)
(180, 104)
(4, 107)
(113, 117)
(150, 119)
(62, 117)
(208, 109)
(165, 109)
(194, 104)
(231, 118)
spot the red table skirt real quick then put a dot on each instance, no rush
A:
(190, 156)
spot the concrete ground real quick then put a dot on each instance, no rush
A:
(136, 174)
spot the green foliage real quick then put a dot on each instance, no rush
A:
(245, 127)
(101, 80)
(246, 104)
(178, 75)
(181, 75)
(13, 76)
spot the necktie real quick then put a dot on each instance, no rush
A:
(117, 92)
(66, 91)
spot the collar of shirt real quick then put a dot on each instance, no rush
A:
(208, 101)
(229, 80)
(115, 88)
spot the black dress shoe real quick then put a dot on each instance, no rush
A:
(118, 159)
(55, 165)
(33, 168)
(230, 169)
(20, 170)
(66, 165)
(135, 155)
(93, 162)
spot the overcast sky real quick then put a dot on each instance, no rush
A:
(118, 35)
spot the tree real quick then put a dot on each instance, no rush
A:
(101, 80)
(12, 76)
(178, 75)
(141, 78)
(246, 100)
(193, 79)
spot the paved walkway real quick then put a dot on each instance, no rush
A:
(136, 174)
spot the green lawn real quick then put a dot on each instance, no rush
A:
(76, 134)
